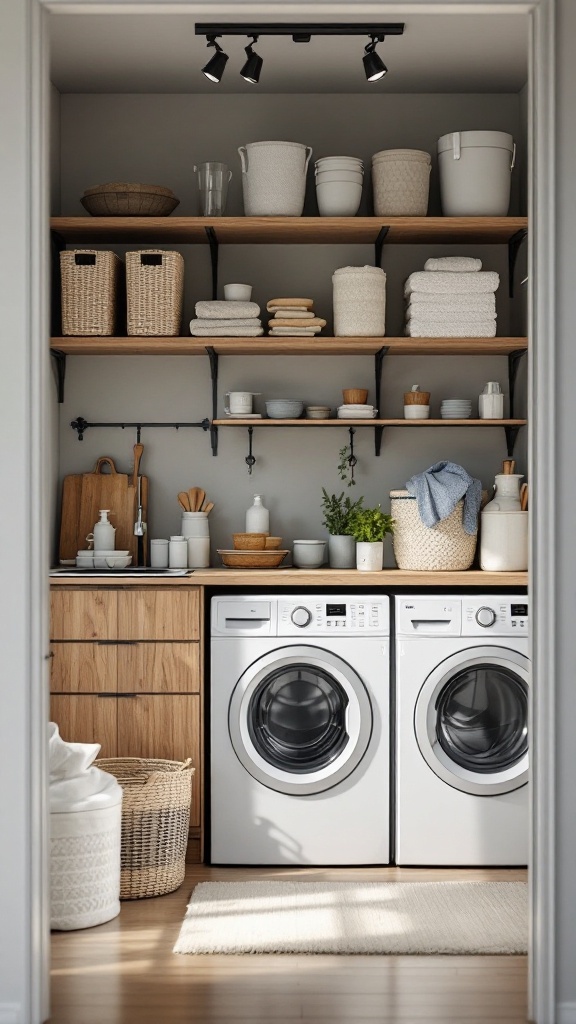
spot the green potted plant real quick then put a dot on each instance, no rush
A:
(336, 518)
(369, 527)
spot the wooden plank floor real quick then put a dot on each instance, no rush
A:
(124, 972)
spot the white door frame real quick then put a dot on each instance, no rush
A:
(541, 397)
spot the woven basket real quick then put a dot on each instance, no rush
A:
(359, 302)
(122, 199)
(442, 548)
(154, 292)
(90, 284)
(155, 821)
(400, 183)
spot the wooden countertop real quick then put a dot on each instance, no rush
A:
(307, 578)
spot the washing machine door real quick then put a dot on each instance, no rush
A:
(471, 720)
(300, 720)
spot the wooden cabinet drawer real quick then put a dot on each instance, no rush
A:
(159, 668)
(83, 614)
(85, 718)
(83, 668)
(156, 614)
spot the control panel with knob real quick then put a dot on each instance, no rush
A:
(485, 616)
(301, 616)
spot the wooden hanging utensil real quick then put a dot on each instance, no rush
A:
(184, 501)
(193, 499)
(207, 507)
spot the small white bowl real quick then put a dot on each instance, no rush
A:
(238, 292)
(284, 408)
(318, 412)
(338, 198)
(323, 176)
(416, 412)
(308, 554)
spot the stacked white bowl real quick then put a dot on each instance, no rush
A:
(339, 182)
(456, 409)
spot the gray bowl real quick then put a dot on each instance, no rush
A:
(284, 409)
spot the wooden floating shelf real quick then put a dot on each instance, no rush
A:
(288, 230)
(287, 346)
(229, 422)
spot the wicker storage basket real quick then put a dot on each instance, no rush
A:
(439, 548)
(90, 284)
(401, 182)
(359, 302)
(154, 292)
(122, 199)
(155, 820)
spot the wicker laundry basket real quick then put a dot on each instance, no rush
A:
(154, 292)
(90, 286)
(442, 548)
(155, 821)
(401, 182)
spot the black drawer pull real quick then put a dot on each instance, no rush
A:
(117, 643)
(116, 694)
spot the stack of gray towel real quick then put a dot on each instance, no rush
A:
(223, 318)
(451, 298)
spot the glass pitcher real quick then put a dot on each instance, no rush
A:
(213, 180)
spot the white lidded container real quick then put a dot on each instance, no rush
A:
(178, 552)
(401, 182)
(196, 531)
(359, 300)
(504, 541)
(274, 178)
(475, 173)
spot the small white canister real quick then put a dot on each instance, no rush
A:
(178, 553)
(196, 530)
(159, 553)
(359, 299)
(504, 541)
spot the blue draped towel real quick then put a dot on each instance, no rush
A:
(439, 489)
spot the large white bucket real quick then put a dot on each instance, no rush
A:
(475, 172)
(274, 178)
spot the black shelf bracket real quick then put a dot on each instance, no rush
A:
(60, 364)
(378, 365)
(80, 425)
(213, 357)
(514, 359)
(511, 436)
(250, 459)
(514, 244)
(379, 246)
(213, 243)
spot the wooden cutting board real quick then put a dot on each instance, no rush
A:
(84, 494)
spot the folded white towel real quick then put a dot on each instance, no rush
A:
(300, 332)
(226, 332)
(444, 314)
(453, 264)
(453, 303)
(421, 327)
(221, 309)
(292, 314)
(232, 322)
(480, 281)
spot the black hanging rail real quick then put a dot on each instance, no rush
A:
(81, 426)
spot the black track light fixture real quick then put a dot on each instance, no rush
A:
(214, 69)
(374, 67)
(253, 66)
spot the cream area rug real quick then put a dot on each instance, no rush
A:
(356, 917)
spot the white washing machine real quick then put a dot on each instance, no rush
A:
(299, 761)
(462, 678)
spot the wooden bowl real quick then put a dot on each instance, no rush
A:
(273, 543)
(249, 541)
(252, 559)
(355, 396)
(417, 398)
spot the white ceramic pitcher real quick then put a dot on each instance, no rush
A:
(507, 496)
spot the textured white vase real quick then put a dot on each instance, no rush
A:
(341, 551)
(369, 556)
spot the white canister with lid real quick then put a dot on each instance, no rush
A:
(159, 553)
(196, 530)
(491, 402)
(258, 517)
(178, 553)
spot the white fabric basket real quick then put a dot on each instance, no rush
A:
(359, 299)
(274, 178)
(475, 173)
(442, 548)
(401, 182)
(85, 866)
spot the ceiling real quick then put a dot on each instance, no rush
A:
(141, 53)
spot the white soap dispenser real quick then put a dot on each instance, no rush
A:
(104, 532)
(257, 517)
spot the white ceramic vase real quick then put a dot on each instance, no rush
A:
(369, 556)
(341, 551)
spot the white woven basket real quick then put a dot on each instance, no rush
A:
(442, 548)
(359, 299)
(401, 182)
(274, 178)
(154, 292)
(85, 867)
(90, 282)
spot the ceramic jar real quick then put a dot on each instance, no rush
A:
(369, 556)
(341, 551)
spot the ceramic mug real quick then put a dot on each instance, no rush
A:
(239, 402)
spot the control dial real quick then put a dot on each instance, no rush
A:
(301, 616)
(485, 617)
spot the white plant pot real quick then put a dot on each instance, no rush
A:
(369, 556)
(341, 551)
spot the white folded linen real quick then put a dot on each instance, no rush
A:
(453, 264)
(482, 281)
(439, 314)
(226, 332)
(483, 303)
(291, 314)
(421, 327)
(223, 309)
(245, 321)
(296, 333)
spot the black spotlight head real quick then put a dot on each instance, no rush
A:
(214, 69)
(253, 66)
(374, 67)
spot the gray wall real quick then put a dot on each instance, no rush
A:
(159, 139)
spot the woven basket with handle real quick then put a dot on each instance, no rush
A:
(154, 292)
(90, 281)
(439, 548)
(155, 820)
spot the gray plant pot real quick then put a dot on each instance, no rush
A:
(341, 551)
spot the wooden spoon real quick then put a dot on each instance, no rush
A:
(207, 507)
(508, 466)
(200, 499)
(524, 498)
(183, 501)
(193, 498)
